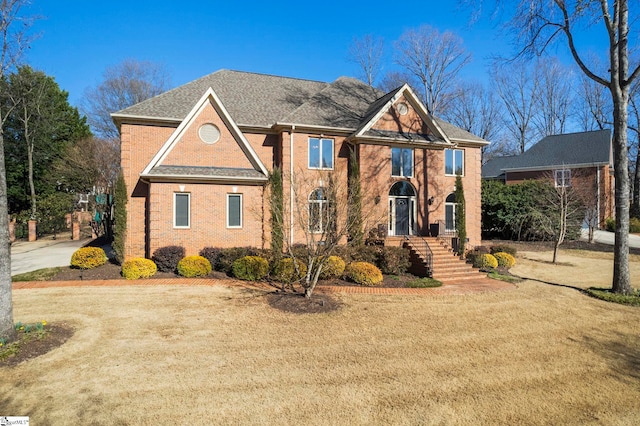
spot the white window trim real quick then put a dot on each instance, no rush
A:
(454, 162)
(401, 168)
(241, 215)
(561, 173)
(175, 196)
(333, 153)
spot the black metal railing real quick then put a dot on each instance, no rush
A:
(449, 237)
(426, 255)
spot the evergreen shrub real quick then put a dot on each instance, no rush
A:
(194, 266)
(333, 268)
(250, 268)
(138, 267)
(363, 273)
(88, 257)
(284, 270)
(167, 258)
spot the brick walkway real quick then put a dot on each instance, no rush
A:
(481, 285)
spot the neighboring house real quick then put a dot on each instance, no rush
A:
(583, 160)
(196, 160)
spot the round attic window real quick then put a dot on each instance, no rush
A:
(209, 133)
(402, 108)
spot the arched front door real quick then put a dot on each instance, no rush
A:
(402, 208)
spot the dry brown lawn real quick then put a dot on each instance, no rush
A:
(539, 354)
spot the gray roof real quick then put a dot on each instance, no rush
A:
(263, 100)
(566, 150)
(251, 99)
(492, 169)
(224, 173)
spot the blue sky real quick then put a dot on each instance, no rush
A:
(79, 39)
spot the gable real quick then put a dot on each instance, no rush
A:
(191, 150)
(402, 117)
(208, 145)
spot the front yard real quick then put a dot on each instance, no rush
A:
(539, 354)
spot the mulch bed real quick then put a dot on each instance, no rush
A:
(56, 335)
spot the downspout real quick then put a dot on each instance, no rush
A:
(598, 191)
(291, 189)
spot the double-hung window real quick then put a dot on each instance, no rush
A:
(563, 178)
(320, 153)
(234, 210)
(181, 209)
(454, 162)
(402, 162)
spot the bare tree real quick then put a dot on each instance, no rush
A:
(634, 127)
(593, 107)
(123, 85)
(434, 60)
(540, 24)
(322, 214)
(394, 79)
(367, 53)
(516, 86)
(561, 207)
(553, 97)
(13, 32)
(476, 110)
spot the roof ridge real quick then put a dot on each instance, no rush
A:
(271, 75)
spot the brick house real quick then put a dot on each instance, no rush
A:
(583, 160)
(196, 160)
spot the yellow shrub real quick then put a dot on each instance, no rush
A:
(250, 268)
(88, 257)
(504, 259)
(333, 268)
(138, 267)
(485, 261)
(363, 273)
(194, 266)
(284, 270)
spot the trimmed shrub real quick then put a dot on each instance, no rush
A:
(333, 268)
(504, 260)
(471, 255)
(138, 267)
(610, 224)
(363, 273)
(485, 262)
(352, 253)
(250, 268)
(393, 260)
(634, 225)
(88, 257)
(167, 258)
(194, 266)
(500, 248)
(229, 255)
(285, 271)
(212, 254)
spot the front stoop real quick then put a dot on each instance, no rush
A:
(447, 267)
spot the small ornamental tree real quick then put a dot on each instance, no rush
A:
(461, 222)
(120, 218)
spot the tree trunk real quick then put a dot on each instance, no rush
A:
(32, 187)
(621, 280)
(7, 330)
(635, 208)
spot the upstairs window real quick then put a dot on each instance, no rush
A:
(454, 162)
(402, 162)
(319, 211)
(181, 207)
(563, 178)
(320, 153)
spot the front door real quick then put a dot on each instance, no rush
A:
(402, 216)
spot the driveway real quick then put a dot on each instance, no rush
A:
(46, 253)
(606, 237)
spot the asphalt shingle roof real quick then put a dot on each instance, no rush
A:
(213, 172)
(264, 100)
(571, 149)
